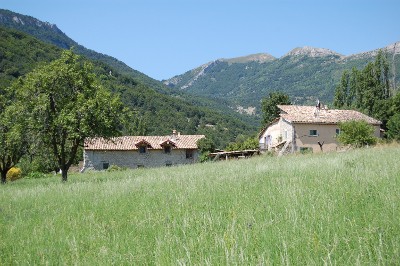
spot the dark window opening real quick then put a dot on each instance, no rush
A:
(142, 149)
(106, 165)
(189, 154)
(140, 166)
(313, 132)
(167, 149)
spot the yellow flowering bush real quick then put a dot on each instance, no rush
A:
(14, 174)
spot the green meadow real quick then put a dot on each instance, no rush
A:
(334, 208)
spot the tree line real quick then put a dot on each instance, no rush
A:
(372, 91)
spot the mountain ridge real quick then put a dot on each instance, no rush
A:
(305, 74)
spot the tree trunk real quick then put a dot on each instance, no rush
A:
(3, 177)
(64, 175)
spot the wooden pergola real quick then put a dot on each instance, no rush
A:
(228, 155)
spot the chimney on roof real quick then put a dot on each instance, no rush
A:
(318, 105)
(317, 108)
(174, 135)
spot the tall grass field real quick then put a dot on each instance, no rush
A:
(334, 208)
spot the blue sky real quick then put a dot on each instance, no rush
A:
(163, 38)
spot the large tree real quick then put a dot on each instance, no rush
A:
(269, 106)
(13, 137)
(66, 105)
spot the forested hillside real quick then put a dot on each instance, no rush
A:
(19, 54)
(305, 74)
(153, 113)
(51, 34)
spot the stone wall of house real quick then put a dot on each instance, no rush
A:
(276, 133)
(99, 160)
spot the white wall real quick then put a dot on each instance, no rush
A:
(133, 159)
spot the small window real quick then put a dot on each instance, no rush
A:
(189, 154)
(285, 135)
(313, 132)
(167, 149)
(106, 165)
(142, 149)
(140, 166)
(337, 131)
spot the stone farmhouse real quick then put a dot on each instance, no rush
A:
(312, 128)
(141, 151)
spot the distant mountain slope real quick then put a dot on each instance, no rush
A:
(20, 53)
(305, 74)
(50, 33)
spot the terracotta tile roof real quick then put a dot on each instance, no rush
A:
(154, 142)
(310, 115)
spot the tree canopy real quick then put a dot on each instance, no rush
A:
(393, 126)
(13, 139)
(269, 105)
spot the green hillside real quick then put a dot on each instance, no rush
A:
(305, 74)
(337, 208)
(157, 113)
(19, 54)
(50, 33)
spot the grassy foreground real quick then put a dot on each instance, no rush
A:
(337, 208)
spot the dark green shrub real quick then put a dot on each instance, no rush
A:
(114, 168)
(35, 175)
(393, 126)
(356, 133)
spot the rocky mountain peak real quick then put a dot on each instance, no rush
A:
(8, 17)
(393, 49)
(312, 52)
